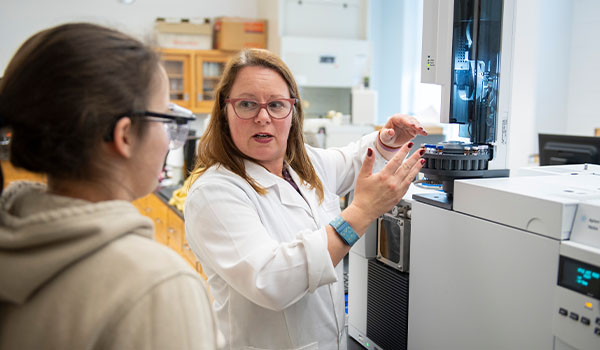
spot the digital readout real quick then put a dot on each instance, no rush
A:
(579, 276)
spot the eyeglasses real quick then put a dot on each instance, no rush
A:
(247, 108)
(176, 123)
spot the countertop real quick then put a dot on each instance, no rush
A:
(164, 193)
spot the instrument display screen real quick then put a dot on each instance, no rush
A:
(579, 276)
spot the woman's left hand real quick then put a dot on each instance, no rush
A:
(400, 129)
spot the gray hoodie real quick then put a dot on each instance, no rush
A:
(82, 275)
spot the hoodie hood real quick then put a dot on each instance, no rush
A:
(42, 234)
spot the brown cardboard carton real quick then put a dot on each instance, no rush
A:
(235, 33)
(183, 35)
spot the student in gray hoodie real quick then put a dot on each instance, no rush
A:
(89, 107)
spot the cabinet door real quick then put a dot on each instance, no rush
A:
(141, 204)
(176, 231)
(12, 174)
(200, 271)
(209, 69)
(156, 210)
(179, 71)
(188, 253)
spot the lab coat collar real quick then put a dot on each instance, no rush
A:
(261, 175)
(287, 193)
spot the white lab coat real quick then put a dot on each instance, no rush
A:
(266, 257)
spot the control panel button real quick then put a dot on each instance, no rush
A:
(563, 311)
(585, 321)
(574, 316)
(597, 331)
(598, 321)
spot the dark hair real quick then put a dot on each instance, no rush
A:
(216, 145)
(62, 90)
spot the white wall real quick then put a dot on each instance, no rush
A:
(555, 73)
(526, 60)
(584, 69)
(386, 37)
(19, 19)
(396, 30)
(553, 65)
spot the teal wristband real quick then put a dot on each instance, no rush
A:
(344, 230)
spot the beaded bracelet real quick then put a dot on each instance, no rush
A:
(384, 147)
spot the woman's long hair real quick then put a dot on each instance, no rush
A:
(216, 146)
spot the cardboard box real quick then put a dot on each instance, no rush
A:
(183, 35)
(235, 33)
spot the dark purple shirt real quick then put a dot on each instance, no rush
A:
(288, 178)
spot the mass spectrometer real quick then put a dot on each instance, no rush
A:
(496, 262)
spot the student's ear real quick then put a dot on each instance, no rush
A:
(124, 137)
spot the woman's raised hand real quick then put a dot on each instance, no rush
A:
(376, 194)
(399, 129)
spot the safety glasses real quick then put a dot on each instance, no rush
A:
(176, 123)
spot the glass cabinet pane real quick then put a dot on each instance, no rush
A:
(175, 72)
(211, 74)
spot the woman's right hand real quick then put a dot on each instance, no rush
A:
(375, 194)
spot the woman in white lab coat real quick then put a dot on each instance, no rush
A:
(263, 214)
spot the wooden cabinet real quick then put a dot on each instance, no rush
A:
(169, 228)
(11, 174)
(194, 76)
(209, 69)
(156, 210)
(175, 231)
(179, 71)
